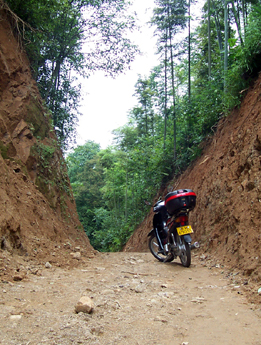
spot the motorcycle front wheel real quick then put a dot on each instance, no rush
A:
(185, 256)
(156, 251)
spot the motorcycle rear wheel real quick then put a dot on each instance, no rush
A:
(156, 252)
(185, 256)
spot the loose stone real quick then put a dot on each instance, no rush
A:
(84, 305)
(48, 265)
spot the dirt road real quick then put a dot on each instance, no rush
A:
(137, 300)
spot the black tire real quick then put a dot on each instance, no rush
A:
(155, 249)
(185, 257)
(156, 252)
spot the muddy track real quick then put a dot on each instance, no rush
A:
(137, 300)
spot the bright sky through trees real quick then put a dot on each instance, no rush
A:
(106, 101)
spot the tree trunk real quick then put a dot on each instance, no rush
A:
(226, 43)
(146, 118)
(174, 101)
(126, 196)
(189, 77)
(209, 42)
(166, 95)
(219, 36)
(238, 25)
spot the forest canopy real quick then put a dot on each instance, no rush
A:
(206, 65)
(203, 73)
(67, 38)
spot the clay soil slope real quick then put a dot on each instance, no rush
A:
(227, 181)
(38, 217)
(47, 263)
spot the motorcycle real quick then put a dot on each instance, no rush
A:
(171, 234)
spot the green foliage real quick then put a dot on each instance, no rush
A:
(110, 198)
(86, 176)
(244, 60)
(38, 122)
(110, 187)
(169, 18)
(45, 155)
(76, 160)
(168, 123)
(64, 39)
(4, 150)
(52, 179)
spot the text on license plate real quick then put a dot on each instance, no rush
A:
(184, 230)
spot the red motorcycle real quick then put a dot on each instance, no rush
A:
(171, 233)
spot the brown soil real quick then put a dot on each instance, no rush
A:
(137, 299)
(227, 181)
(38, 218)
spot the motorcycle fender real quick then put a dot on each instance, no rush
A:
(187, 238)
(151, 232)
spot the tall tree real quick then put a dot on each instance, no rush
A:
(85, 171)
(226, 42)
(70, 38)
(144, 114)
(169, 17)
(209, 41)
(189, 51)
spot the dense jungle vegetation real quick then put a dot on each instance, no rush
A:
(206, 65)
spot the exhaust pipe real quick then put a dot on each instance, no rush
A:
(195, 245)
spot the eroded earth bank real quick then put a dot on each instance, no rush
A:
(47, 263)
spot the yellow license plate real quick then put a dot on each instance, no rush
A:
(184, 230)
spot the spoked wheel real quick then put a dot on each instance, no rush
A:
(157, 252)
(185, 256)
